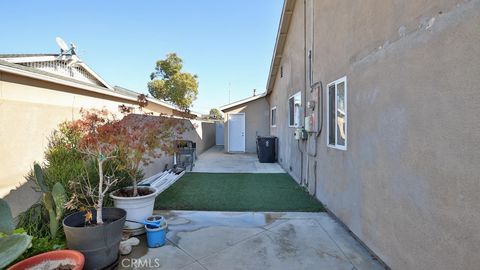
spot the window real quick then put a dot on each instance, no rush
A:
(294, 110)
(337, 114)
(281, 71)
(273, 116)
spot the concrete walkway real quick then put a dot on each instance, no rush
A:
(215, 160)
(247, 240)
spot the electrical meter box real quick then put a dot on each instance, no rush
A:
(310, 123)
(300, 134)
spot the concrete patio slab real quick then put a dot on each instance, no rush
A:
(215, 160)
(207, 241)
(307, 232)
(167, 257)
(353, 251)
(194, 266)
(254, 240)
(271, 251)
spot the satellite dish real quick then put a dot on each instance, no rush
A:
(63, 46)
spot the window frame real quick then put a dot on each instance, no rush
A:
(271, 116)
(299, 93)
(336, 83)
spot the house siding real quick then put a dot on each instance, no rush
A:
(408, 183)
(257, 122)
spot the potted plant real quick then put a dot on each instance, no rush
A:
(95, 231)
(12, 242)
(143, 139)
(53, 260)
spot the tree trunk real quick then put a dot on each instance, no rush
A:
(135, 187)
(100, 192)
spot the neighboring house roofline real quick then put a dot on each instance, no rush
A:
(283, 27)
(12, 66)
(135, 94)
(18, 55)
(53, 78)
(242, 101)
(28, 58)
(86, 67)
(50, 77)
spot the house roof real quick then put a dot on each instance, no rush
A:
(31, 72)
(25, 59)
(9, 67)
(26, 55)
(283, 27)
(241, 102)
(134, 94)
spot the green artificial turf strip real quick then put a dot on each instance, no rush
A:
(237, 192)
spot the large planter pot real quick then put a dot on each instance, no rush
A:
(138, 208)
(54, 258)
(99, 244)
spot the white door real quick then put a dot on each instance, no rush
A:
(236, 132)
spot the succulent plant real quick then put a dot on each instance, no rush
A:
(11, 245)
(54, 200)
(6, 222)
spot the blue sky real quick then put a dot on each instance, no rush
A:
(223, 42)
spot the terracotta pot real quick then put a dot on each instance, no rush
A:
(55, 255)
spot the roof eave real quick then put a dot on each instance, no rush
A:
(241, 102)
(42, 77)
(283, 28)
(53, 57)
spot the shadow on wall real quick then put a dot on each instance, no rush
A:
(200, 132)
(22, 197)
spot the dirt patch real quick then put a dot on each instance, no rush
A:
(65, 267)
(66, 264)
(128, 192)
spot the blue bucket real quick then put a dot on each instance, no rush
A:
(156, 236)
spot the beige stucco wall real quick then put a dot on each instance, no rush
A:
(408, 185)
(256, 122)
(29, 111)
(201, 132)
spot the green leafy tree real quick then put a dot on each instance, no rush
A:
(169, 83)
(215, 114)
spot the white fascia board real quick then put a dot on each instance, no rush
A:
(63, 82)
(159, 102)
(28, 59)
(240, 102)
(87, 68)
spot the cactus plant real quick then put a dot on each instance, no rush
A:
(53, 200)
(6, 220)
(11, 245)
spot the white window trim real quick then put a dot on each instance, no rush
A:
(276, 116)
(288, 106)
(336, 146)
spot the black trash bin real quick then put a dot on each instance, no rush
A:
(266, 149)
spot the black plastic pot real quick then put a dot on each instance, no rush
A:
(99, 244)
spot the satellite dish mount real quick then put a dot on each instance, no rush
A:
(67, 53)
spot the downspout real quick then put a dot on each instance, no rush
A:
(319, 101)
(304, 94)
